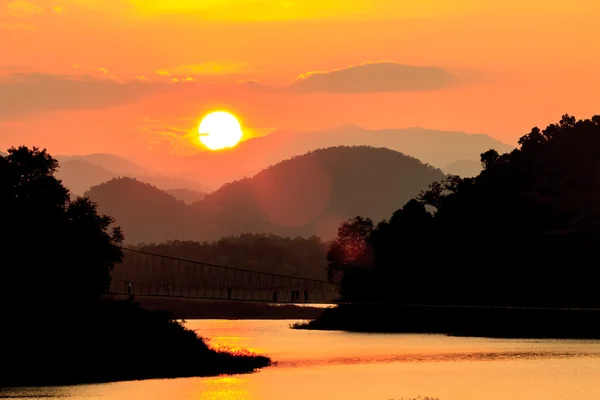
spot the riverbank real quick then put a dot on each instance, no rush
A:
(461, 321)
(189, 308)
(115, 341)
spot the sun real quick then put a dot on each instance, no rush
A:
(219, 130)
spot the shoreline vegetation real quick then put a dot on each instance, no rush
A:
(521, 240)
(190, 308)
(115, 341)
(58, 326)
(492, 322)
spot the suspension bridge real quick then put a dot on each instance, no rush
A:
(142, 273)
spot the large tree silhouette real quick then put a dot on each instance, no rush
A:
(56, 252)
(526, 231)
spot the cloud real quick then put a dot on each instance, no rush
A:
(22, 94)
(163, 146)
(248, 82)
(376, 77)
(256, 85)
(163, 73)
(22, 9)
(169, 131)
(171, 141)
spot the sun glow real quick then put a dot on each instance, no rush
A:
(219, 130)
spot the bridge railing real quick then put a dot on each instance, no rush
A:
(153, 274)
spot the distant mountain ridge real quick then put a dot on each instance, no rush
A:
(305, 195)
(109, 162)
(434, 147)
(208, 171)
(464, 168)
(80, 173)
(186, 195)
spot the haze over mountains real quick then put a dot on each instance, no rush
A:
(189, 178)
(303, 196)
(79, 173)
(437, 148)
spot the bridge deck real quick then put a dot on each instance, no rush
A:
(143, 273)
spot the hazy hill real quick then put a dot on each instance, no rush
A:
(186, 195)
(109, 162)
(145, 212)
(437, 148)
(303, 196)
(80, 173)
(464, 168)
(313, 193)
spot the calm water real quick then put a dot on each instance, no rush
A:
(336, 365)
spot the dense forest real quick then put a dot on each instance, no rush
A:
(525, 231)
(297, 257)
(58, 256)
(304, 196)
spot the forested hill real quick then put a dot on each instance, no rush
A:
(303, 196)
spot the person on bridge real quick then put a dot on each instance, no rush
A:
(168, 289)
(274, 297)
(229, 293)
(306, 295)
(129, 288)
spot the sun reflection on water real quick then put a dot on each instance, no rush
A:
(225, 388)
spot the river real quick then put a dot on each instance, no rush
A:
(315, 365)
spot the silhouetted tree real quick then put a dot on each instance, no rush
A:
(57, 252)
(489, 158)
(57, 258)
(526, 231)
(351, 248)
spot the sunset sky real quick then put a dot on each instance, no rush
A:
(134, 76)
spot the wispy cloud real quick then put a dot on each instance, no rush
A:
(248, 82)
(22, 9)
(23, 93)
(374, 77)
(168, 131)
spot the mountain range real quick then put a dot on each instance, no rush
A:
(80, 173)
(437, 148)
(302, 196)
(190, 178)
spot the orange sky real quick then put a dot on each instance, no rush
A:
(80, 76)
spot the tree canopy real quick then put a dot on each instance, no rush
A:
(525, 231)
(301, 257)
(56, 252)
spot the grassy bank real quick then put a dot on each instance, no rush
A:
(461, 321)
(116, 341)
(188, 308)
